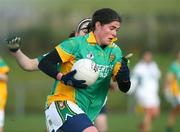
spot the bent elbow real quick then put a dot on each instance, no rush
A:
(124, 86)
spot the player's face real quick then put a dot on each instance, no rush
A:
(106, 33)
(148, 57)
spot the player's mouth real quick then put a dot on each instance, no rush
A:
(110, 39)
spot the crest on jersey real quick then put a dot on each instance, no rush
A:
(61, 104)
(112, 57)
(90, 55)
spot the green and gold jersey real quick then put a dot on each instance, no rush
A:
(108, 59)
(175, 70)
(4, 69)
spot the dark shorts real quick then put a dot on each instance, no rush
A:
(76, 123)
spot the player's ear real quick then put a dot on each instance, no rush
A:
(98, 25)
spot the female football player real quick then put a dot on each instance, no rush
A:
(172, 88)
(72, 106)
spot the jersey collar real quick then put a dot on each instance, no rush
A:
(91, 38)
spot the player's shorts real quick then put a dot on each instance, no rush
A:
(148, 101)
(66, 116)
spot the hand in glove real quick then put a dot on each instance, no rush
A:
(123, 72)
(68, 79)
(13, 43)
(123, 77)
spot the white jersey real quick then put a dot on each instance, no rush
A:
(145, 82)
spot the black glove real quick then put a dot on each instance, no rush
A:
(13, 43)
(123, 76)
(124, 70)
(68, 79)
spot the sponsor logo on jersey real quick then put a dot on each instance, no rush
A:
(61, 104)
(90, 55)
(104, 71)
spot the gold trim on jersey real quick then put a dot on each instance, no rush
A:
(64, 55)
(92, 40)
(174, 87)
(115, 70)
(63, 92)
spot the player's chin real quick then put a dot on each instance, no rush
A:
(107, 42)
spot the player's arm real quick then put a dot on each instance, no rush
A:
(3, 77)
(48, 65)
(24, 61)
(123, 77)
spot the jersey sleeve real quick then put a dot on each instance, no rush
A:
(67, 49)
(39, 58)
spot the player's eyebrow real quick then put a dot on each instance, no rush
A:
(114, 27)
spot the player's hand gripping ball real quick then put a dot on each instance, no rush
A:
(86, 70)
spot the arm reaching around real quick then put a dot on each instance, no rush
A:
(123, 77)
(24, 61)
(48, 65)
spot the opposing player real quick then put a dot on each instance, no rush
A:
(4, 69)
(72, 106)
(172, 91)
(145, 81)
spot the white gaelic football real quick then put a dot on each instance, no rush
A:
(86, 70)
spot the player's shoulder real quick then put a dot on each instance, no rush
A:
(139, 66)
(77, 39)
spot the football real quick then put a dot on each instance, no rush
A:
(86, 70)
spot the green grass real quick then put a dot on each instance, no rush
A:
(120, 122)
(26, 123)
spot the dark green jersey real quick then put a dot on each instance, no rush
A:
(108, 59)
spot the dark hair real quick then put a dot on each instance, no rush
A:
(104, 16)
(72, 34)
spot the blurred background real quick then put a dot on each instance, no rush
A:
(42, 24)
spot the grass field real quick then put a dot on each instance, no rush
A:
(118, 122)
